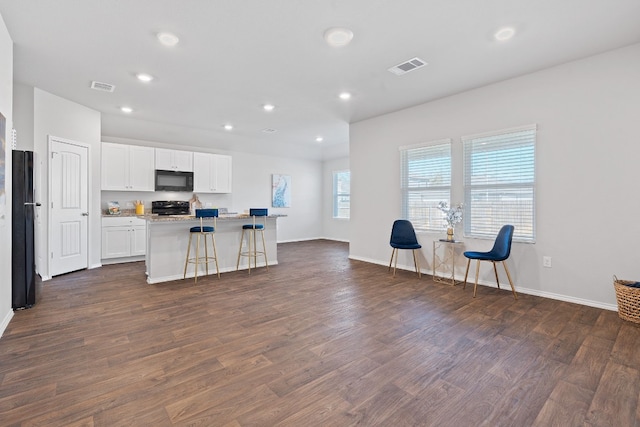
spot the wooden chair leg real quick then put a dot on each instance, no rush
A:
(391, 260)
(475, 286)
(395, 263)
(515, 296)
(466, 274)
(495, 271)
(416, 264)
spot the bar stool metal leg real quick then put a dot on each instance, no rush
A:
(264, 250)
(186, 261)
(252, 229)
(240, 251)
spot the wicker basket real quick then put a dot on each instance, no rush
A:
(628, 299)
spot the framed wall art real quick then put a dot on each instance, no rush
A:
(280, 191)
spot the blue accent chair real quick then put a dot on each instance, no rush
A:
(403, 236)
(499, 253)
(252, 229)
(203, 231)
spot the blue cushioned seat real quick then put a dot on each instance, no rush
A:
(499, 253)
(253, 227)
(204, 229)
(403, 236)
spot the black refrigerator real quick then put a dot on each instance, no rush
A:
(23, 263)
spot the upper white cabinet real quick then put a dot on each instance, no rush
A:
(211, 173)
(127, 167)
(174, 160)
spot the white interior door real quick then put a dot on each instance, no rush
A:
(68, 212)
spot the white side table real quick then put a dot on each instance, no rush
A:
(444, 261)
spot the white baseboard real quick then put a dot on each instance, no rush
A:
(299, 240)
(313, 238)
(519, 289)
(123, 260)
(5, 322)
(191, 275)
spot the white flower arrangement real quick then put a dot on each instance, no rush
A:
(452, 215)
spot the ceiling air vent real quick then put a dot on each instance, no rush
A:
(269, 130)
(405, 67)
(105, 87)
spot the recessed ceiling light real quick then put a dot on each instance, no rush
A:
(338, 37)
(168, 39)
(345, 96)
(268, 107)
(269, 130)
(319, 139)
(126, 109)
(144, 77)
(228, 126)
(504, 34)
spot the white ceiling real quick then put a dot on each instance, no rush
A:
(235, 55)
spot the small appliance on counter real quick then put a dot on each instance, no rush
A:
(170, 207)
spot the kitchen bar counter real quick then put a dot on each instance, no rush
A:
(223, 217)
(168, 237)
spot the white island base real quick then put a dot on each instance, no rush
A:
(168, 237)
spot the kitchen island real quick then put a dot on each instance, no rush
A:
(168, 237)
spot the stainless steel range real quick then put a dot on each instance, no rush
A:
(170, 207)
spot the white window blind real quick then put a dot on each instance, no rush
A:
(341, 194)
(499, 183)
(425, 181)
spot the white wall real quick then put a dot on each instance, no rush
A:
(6, 102)
(333, 228)
(587, 163)
(62, 118)
(23, 115)
(251, 182)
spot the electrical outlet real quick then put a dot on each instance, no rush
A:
(546, 261)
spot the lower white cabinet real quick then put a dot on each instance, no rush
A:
(123, 237)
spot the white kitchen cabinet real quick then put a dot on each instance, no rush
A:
(123, 237)
(211, 173)
(174, 160)
(127, 167)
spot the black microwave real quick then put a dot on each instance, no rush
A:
(174, 181)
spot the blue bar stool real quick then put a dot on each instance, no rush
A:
(252, 229)
(203, 231)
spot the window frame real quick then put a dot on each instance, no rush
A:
(336, 195)
(521, 186)
(432, 220)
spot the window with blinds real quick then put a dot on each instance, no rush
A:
(341, 194)
(499, 183)
(425, 181)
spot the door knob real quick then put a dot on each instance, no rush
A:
(85, 213)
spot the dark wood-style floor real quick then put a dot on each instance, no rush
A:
(318, 340)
